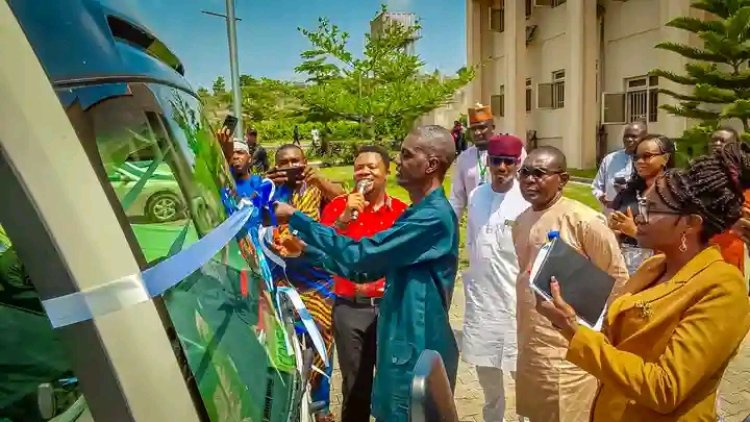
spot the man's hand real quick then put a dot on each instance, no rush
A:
(354, 202)
(290, 247)
(283, 212)
(224, 136)
(311, 175)
(277, 177)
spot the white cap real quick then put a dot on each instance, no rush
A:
(241, 146)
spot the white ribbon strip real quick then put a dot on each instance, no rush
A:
(307, 320)
(102, 299)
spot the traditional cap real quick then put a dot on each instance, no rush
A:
(505, 146)
(479, 113)
(241, 146)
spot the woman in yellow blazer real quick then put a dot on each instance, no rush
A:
(669, 337)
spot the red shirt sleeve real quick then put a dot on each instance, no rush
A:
(332, 211)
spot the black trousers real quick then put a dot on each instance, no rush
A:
(354, 331)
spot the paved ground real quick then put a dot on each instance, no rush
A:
(735, 389)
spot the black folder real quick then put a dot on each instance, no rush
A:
(583, 285)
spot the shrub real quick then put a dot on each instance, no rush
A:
(283, 130)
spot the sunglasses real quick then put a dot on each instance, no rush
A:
(537, 172)
(496, 161)
(644, 209)
(647, 156)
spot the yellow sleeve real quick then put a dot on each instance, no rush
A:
(702, 342)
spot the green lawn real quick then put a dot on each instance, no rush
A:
(344, 174)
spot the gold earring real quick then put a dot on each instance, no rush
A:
(683, 243)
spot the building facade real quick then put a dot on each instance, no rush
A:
(572, 73)
(406, 19)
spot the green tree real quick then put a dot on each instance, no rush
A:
(219, 86)
(267, 99)
(718, 72)
(385, 89)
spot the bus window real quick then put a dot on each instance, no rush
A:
(167, 171)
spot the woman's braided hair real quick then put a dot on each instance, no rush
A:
(711, 187)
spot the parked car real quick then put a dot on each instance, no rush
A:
(158, 199)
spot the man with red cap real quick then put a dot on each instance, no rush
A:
(471, 168)
(489, 330)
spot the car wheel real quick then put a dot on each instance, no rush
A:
(162, 207)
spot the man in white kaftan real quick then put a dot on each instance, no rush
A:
(489, 330)
(470, 169)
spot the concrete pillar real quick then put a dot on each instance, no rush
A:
(473, 49)
(579, 143)
(668, 10)
(515, 72)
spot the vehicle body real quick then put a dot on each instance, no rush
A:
(158, 201)
(122, 173)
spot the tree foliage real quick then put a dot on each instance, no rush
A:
(219, 86)
(262, 99)
(385, 89)
(719, 72)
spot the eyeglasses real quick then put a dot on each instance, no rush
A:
(537, 172)
(508, 161)
(647, 156)
(644, 209)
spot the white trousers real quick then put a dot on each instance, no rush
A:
(491, 381)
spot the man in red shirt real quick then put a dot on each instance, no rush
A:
(356, 309)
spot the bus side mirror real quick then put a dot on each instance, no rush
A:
(431, 395)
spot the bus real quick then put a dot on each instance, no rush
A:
(108, 168)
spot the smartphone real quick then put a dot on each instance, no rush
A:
(230, 122)
(293, 174)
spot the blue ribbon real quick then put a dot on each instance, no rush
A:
(166, 274)
(262, 200)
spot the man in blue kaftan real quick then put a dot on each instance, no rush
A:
(418, 257)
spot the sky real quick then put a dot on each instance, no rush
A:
(269, 42)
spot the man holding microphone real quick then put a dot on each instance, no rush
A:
(355, 311)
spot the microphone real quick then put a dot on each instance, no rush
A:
(362, 186)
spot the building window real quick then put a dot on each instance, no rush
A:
(497, 18)
(558, 89)
(642, 98)
(497, 102)
(556, 3)
(528, 94)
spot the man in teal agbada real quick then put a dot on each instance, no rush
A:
(418, 257)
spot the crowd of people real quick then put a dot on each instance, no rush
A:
(377, 275)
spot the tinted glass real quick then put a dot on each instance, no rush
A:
(165, 173)
(36, 377)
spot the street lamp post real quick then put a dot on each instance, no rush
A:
(234, 67)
